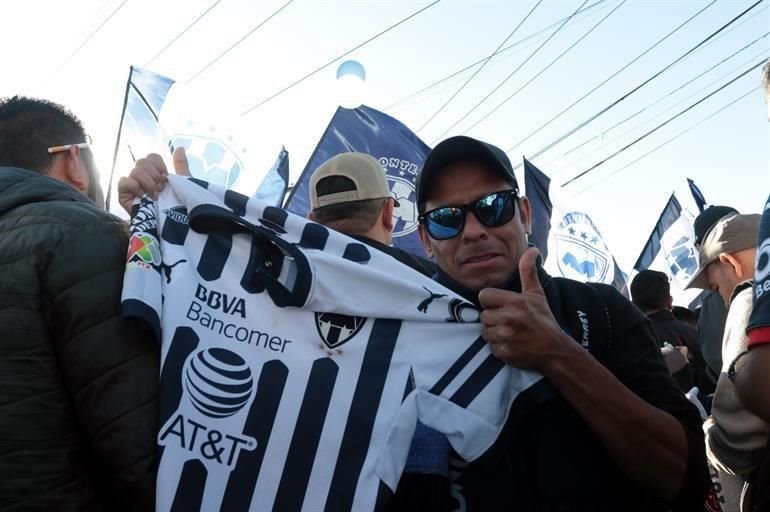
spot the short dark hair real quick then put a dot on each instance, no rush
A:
(650, 290)
(353, 217)
(683, 314)
(30, 126)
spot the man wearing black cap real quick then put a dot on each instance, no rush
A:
(611, 431)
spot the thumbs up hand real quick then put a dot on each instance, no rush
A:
(519, 327)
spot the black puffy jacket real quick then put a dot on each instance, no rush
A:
(78, 384)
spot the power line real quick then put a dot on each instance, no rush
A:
(683, 100)
(632, 91)
(661, 125)
(616, 73)
(183, 32)
(85, 42)
(601, 135)
(250, 32)
(332, 61)
(431, 118)
(672, 139)
(470, 66)
(546, 68)
(531, 55)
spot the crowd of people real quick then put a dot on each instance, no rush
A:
(651, 407)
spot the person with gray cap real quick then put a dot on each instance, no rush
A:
(609, 429)
(711, 322)
(735, 437)
(349, 193)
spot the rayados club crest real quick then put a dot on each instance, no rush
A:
(336, 329)
(401, 175)
(210, 159)
(581, 252)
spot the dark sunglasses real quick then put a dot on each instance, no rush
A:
(492, 210)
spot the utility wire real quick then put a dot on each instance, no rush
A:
(332, 61)
(183, 32)
(605, 132)
(242, 39)
(672, 139)
(632, 91)
(442, 107)
(661, 125)
(85, 42)
(531, 55)
(753, 58)
(470, 66)
(546, 68)
(616, 73)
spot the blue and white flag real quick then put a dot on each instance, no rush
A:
(697, 195)
(139, 132)
(571, 244)
(537, 185)
(272, 190)
(400, 152)
(671, 248)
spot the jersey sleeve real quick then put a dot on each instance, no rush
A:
(759, 324)
(462, 391)
(142, 294)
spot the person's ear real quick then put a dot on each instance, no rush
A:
(425, 239)
(525, 214)
(386, 217)
(71, 170)
(733, 263)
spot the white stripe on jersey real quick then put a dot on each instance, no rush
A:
(269, 407)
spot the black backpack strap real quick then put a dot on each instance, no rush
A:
(582, 313)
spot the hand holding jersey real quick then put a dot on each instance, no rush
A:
(520, 327)
(149, 176)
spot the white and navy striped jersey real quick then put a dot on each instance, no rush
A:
(286, 353)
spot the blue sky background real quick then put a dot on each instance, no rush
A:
(727, 155)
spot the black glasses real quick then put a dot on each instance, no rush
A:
(492, 210)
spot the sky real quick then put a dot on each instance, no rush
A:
(727, 155)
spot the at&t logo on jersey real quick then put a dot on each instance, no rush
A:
(401, 175)
(219, 385)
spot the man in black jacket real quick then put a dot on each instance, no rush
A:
(609, 429)
(651, 292)
(78, 400)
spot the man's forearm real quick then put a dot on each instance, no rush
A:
(648, 444)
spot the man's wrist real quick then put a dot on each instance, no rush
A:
(559, 361)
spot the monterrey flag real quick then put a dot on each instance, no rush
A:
(400, 152)
(671, 249)
(571, 244)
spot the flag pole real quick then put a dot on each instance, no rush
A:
(117, 141)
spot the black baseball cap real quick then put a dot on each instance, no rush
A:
(459, 149)
(707, 219)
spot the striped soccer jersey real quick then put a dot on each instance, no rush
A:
(286, 354)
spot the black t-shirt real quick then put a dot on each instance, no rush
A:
(549, 459)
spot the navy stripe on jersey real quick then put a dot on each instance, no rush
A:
(214, 256)
(458, 366)
(236, 202)
(307, 434)
(200, 183)
(138, 309)
(259, 425)
(384, 495)
(251, 282)
(192, 482)
(314, 236)
(476, 383)
(175, 227)
(357, 252)
(274, 218)
(363, 411)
